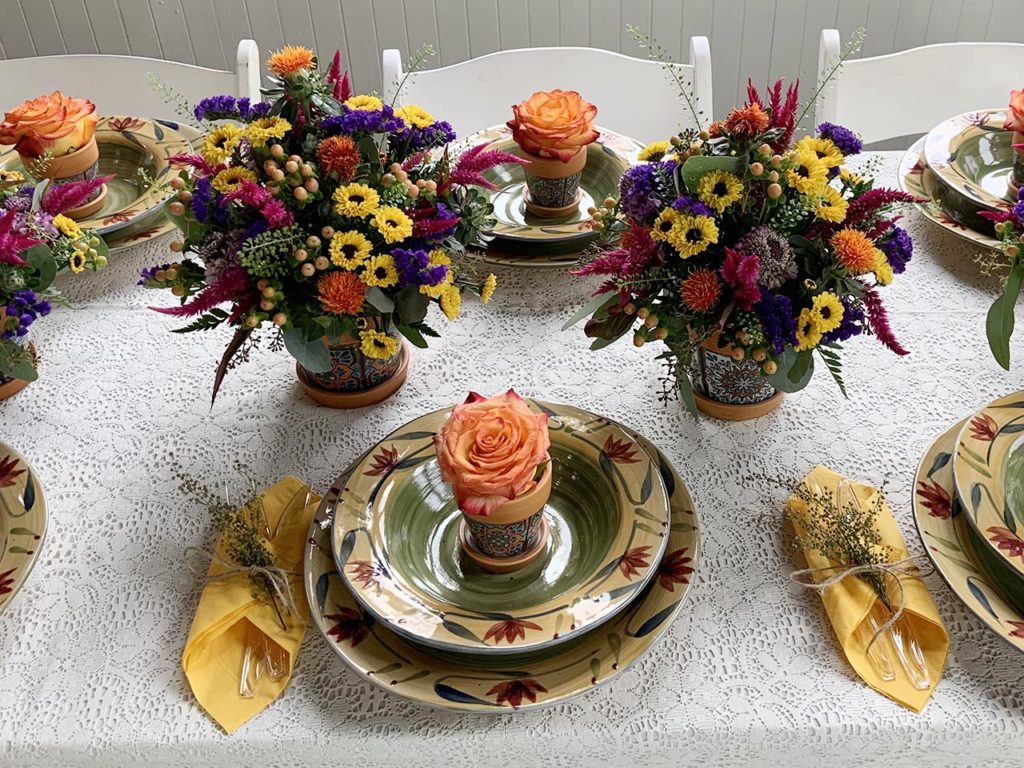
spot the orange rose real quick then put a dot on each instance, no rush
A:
(554, 124)
(1015, 112)
(54, 124)
(490, 449)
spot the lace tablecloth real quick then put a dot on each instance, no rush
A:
(90, 650)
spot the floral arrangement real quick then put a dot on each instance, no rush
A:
(492, 450)
(37, 241)
(771, 248)
(322, 216)
(553, 124)
(53, 126)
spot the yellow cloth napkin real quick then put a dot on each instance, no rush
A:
(227, 611)
(849, 602)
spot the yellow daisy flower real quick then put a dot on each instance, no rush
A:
(828, 311)
(490, 283)
(220, 143)
(10, 176)
(289, 60)
(67, 226)
(228, 180)
(364, 103)
(438, 258)
(832, 207)
(349, 250)
(415, 116)
(808, 333)
(392, 223)
(664, 223)
(883, 270)
(691, 235)
(377, 345)
(355, 200)
(451, 301)
(654, 152)
(264, 129)
(824, 149)
(810, 175)
(849, 178)
(77, 261)
(719, 190)
(379, 272)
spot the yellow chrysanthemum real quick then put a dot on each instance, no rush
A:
(654, 152)
(832, 206)
(824, 149)
(849, 178)
(828, 311)
(883, 270)
(379, 272)
(67, 226)
(355, 200)
(364, 103)
(808, 332)
(264, 129)
(77, 261)
(289, 60)
(392, 223)
(691, 235)
(490, 283)
(377, 345)
(719, 190)
(10, 176)
(349, 250)
(664, 223)
(228, 180)
(220, 143)
(415, 116)
(810, 174)
(451, 301)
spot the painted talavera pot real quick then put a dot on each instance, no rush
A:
(553, 187)
(513, 535)
(725, 388)
(355, 380)
(80, 165)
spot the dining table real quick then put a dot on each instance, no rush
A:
(749, 674)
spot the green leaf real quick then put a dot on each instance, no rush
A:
(411, 305)
(413, 335)
(686, 392)
(39, 192)
(697, 166)
(830, 354)
(312, 355)
(1000, 319)
(192, 229)
(40, 258)
(795, 371)
(205, 322)
(600, 302)
(379, 300)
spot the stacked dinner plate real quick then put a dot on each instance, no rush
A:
(961, 167)
(394, 597)
(136, 151)
(969, 510)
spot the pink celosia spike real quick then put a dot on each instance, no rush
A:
(473, 162)
(231, 286)
(65, 197)
(878, 319)
(868, 204)
(343, 90)
(335, 72)
(428, 227)
(194, 161)
(413, 160)
(12, 243)
(753, 97)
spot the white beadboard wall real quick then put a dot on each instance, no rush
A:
(761, 38)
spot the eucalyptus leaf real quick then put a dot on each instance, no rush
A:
(698, 165)
(379, 300)
(413, 335)
(795, 371)
(38, 193)
(686, 392)
(411, 305)
(40, 259)
(1000, 320)
(312, 355)
(599, 302)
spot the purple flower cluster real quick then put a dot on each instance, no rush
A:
(1018, 209)
(775, 311)
(381, 120)
(686, 204)
(637, 188)
(436, 135)
(898, 249)
(149, 273)
(23, 309)
(852, 325)
(845, 139)
(229, 108)
(414, 267)
(206, 203)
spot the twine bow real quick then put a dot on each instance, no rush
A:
(807, 578)
(275, 578)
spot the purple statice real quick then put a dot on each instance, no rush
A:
(638, 186)
(686, 204)
(775, 311)
(845, 139)
(898, 248)
(226, 107)
(417, 139)
(249, 111)
(852, 325)
(23, 309)
(1018, 209)
(414, 267)
(351, 121)
(149, 273)
(202, 197)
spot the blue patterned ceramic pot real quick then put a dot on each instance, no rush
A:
(352, 371)
(729, 389)
(553, 186)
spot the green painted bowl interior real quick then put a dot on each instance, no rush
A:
(1002, 576)
(987, 159)
(421, 537)
(600, 179)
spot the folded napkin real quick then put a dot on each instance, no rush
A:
(228, 616)
(849, 603)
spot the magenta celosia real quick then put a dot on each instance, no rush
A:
(60, 198)
(473, 162)
(232, 285)
(878, 319)
(740, 271)
(13, 243)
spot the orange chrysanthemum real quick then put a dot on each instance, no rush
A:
(854, 251)
(701, 290)
(749, 121)
(338, 154)
(290, 60)
(715, 129)
(341, 293)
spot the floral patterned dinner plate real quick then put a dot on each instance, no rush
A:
(478, 683)
(136, 152)
(22, 521)
(988, 470)
(953, 548)
(396, 540)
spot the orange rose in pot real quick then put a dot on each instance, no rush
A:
(54, 124)
(490, 449)
(554, 124)
(1015, 112)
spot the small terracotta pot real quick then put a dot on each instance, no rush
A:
(1016, 178)
(80, 165)
(553, 187)
(355, 380)
(724, 388)
(11, 387)
(512, 536)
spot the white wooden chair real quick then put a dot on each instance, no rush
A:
(910, 92)
(119, 85)
(635, 97)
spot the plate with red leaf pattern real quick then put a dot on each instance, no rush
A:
(22, 521)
